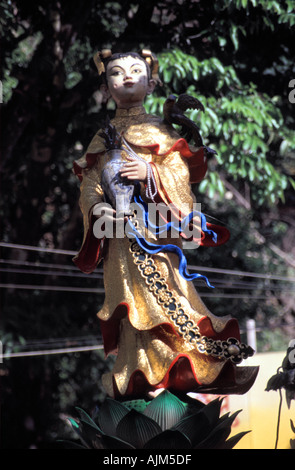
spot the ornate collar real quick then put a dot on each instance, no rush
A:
(136, 111)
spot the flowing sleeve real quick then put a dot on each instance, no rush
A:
(88, 170)
(173, 181)
(173, 175)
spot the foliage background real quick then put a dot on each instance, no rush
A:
(236, 57)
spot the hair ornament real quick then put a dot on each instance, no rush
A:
(150, 58)
(99, 57)
(153, 63)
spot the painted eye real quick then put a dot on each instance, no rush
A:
(136, 71)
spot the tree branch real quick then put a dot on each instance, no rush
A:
(244, 203)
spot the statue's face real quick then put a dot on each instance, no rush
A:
(128, 81)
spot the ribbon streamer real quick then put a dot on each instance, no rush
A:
(152, 248)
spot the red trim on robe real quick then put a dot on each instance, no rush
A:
(91, 252)
(181, 374)
(180, 377)
(223, 233)
(90, 160)
(197, 160)
(110, 328)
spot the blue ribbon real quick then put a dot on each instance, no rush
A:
(152, 248)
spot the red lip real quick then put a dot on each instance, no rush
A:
(129, 84)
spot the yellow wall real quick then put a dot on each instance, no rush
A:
(260, 408)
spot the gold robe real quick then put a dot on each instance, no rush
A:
(150, 312)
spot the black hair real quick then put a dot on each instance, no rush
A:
(120, 55)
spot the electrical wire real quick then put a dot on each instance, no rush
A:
(96, 290)
(100, 290)
(37, 264)
(47, 352)
(37, 248)
(93, 347)
(52, 269)
(67, 271)
(226, 284)
(191, 267)
(50, 273)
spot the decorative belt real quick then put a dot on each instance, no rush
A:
(222, 349)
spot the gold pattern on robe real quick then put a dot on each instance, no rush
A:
(140, 347)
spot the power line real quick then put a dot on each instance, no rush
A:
(47, 352)
(100, 290)
(69, 341)
(96, 290)
(38, 248)
(226, 284)
(37, 264)
(51, 273)
(191, 267)
(67, 350)
(243, 273)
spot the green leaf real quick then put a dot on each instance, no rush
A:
(222, 41)
(169, 439)
(113, 442)
(137, 429)
(194, 427)
(110, 414)
(86, 418)
(138, 405)
(232, 441)
(216, 62)
(234, 37)
(292, 182)
(203, 185)
(166, 409)
(74, 423)
(90, 435)
(216, 438)
(284, 147)
(212, 410)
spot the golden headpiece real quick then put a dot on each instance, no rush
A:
(150, 58)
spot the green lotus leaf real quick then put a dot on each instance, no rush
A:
(137, 429)
(195, 427)
(138, 405)
(232, 441)
(193, 405)
(166, 409)
(169, 439)
(89, 435)
(77, 428)
(110, 414)
(187, 424)
(86, 418)
(212, 410)
(219, 434)
(112, 442)
(74, 423)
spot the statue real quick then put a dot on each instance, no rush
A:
(152, 318)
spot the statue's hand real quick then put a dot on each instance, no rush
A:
(108, 213)
(134, 170)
